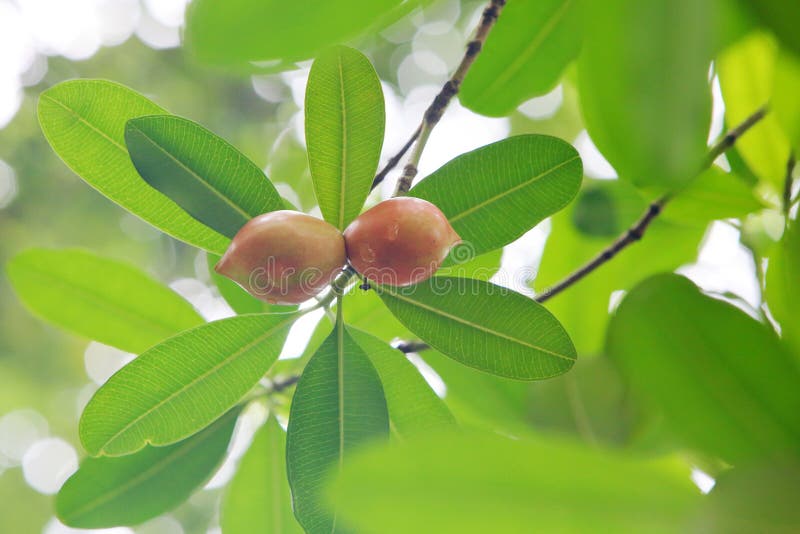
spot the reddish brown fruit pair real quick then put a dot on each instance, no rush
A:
(287, 257)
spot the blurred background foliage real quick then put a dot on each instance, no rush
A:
(47, 375)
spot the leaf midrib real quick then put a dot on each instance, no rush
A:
(85, 122)
(191, 384)
(507, 192)
(343, 181)
(216, 192)
(97, 299)
(478, 327)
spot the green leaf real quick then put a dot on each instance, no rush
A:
(746, 72)
(337, 407)
(413, 406)
(204, 174)
(484, 326)
(785, 103)
(783, 290)
(258, 499)
(643, 87)
(751, 498)
(723, 381)
(182, 385)
(84, 122)
(102, 299)
(481, 400)
(713, 195)
(109, 492)
(782, 17)
(344, 131)
(604, 209)
(475, 484)
(494, 194)
(530, 46)
(274, 32)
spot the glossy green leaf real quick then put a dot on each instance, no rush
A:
(484, 326)
(494, 194)
(475, 484)
(413, 406)
(643, 87)
(344, 131)
(723, 381)
(785, 103)
(746, 72)
(603, 211)
(337, 407)
(182, 385)
(273, 32)
(529, 47)
(258, 498)
(109, 492)
(202, 173)
(100, 298)
(753, 498)
(84, 122)
(713, 195)
(783, 286)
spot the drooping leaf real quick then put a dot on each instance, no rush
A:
(201, 172)
(109, 492)
(482, 400)
(528, 49)
(258, 499)
(494, 194)
(413, 406)
(337, 407)
(271, 32)
(783, 286)
(643, 87)
(785, 103)
(723, 381)
(344, 131)
(100, 298)
(182, 385)
(84, 122)
(485, 326)
(474, 484)
(713, 195)
(604, 210)
(746, 71)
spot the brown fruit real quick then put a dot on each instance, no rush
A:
(400, 241)
(284, 257)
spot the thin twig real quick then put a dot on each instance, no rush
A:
(411, 346)
(787, 185)
(636, 232)
(448, 91)
(631, 235)
(733, 135)
(278, 386)
(392, 163)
